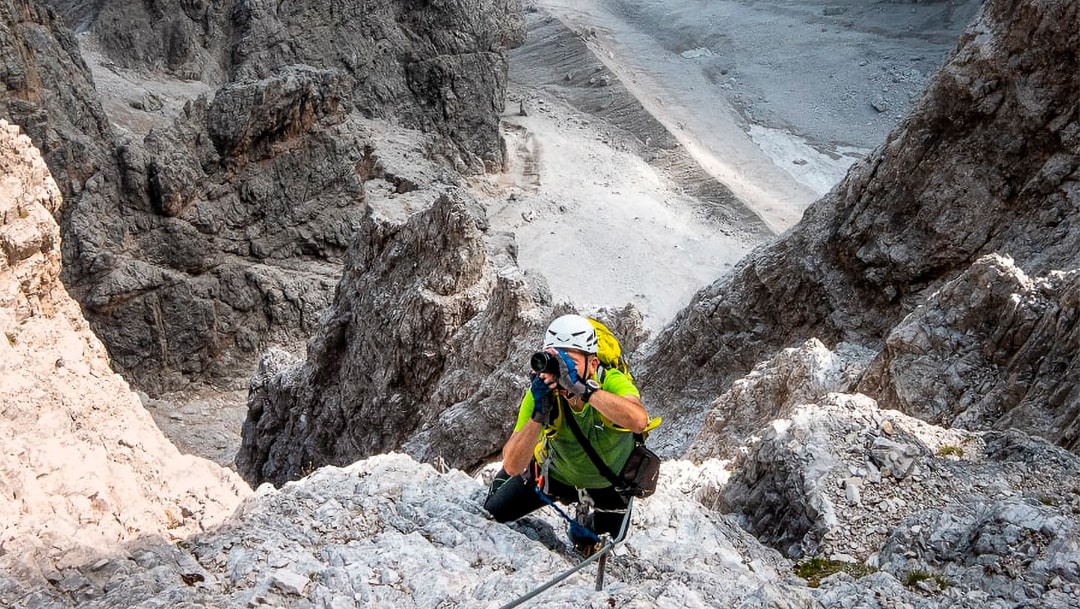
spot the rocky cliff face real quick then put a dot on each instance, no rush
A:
(425, 347)
(197, 233)
(83, 467)
(992, 349)
(439, 68)
(987, 163)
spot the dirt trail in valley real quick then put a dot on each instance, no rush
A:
(605, 204)
(705, 125)
(774, 98)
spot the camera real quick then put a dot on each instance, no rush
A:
(542, 361)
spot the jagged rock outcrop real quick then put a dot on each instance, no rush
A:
(794, 376)
(373, 362)
(197, 235)
(188, 39)
(986, 163)
(982, 516)
(232, 233)
(993, 349)
(424, 349)
(83, 467)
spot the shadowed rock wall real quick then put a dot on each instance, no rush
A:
(436, 67)
(48, 92)
(195, 240)
(439, 67)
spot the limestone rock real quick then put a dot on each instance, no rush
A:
(83, 467)
(185, 38)
(389, 532)
(987, 162)
(941, 516)
(209, 273)
(992, 349)
(795, 376)
(247, 118)
(439, 69)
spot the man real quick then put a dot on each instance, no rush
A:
(543, 452)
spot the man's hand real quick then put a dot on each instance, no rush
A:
(568, 376)
(541, 394)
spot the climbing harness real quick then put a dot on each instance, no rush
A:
(600, 557)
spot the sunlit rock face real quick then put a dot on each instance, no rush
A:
(83, 467)
(992, 349)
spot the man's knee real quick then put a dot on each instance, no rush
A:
(500, 479)
(609, 522)
(498, 504)
(496, 507)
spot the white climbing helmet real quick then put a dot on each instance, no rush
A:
(571, 332)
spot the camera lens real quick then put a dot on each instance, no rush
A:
(542, 361)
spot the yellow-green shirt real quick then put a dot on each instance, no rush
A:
(569, 462)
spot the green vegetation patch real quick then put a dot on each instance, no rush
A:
(914, 578)
(949, 450)
(816, 569)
